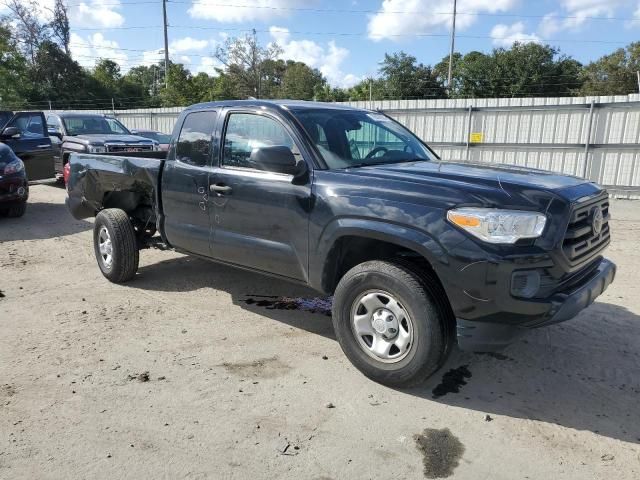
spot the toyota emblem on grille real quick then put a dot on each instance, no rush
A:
(596, 220)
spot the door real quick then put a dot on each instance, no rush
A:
(31, 144)
(185, 184)
(260, 217)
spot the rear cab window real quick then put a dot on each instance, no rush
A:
(195, 140)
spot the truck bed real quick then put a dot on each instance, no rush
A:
(98, 181)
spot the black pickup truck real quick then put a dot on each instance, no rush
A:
(417, 253)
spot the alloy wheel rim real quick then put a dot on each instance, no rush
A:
(105, 247)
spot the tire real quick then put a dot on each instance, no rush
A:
(16, 210)
(421, 342)
(115, 245)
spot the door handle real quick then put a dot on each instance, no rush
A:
(44, 146)
(220, 188)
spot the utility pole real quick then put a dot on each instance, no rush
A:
(638, 72)
(370, 90)
(453, 43)
(166, 45)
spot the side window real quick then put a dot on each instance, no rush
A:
(53, 122)
(370, 137)
(246, 131)
(194, 142)
(29, 124)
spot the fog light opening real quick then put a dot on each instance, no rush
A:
(525, 284)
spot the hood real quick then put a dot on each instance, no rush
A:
(99, 139)
(505, 177)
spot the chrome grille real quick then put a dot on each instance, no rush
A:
(581, 241)
(112, 148)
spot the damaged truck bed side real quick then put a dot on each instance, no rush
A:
(417, 253)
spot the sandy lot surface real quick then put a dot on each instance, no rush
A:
(237, 390)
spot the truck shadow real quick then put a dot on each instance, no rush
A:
(42, 221)
(285, 302)
(583, 374)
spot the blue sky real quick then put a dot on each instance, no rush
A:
(345, 39)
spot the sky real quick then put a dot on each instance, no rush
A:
(346, 39)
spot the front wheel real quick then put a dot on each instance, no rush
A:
(115, 245)
(17, 209)
(388, 325)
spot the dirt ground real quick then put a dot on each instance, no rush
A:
(176, 375)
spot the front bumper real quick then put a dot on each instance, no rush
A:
(488, 336)
(13, 188)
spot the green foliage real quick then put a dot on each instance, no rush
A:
(523, 70)
(614, 74)
(13, 72)
(36, 68)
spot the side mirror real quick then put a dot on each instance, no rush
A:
(11, 132)
(54, 132)
(278, 159)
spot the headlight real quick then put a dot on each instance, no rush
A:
(498, 226)
(97, 149)
(14, 166)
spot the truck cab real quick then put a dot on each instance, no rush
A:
(26, 134)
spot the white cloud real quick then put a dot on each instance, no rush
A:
(328, 59)
(187, 44)
(249, 10)
(88, 51)
(507, 35)
(96, 14)
(578, 13)
(427, 16)
(208, 65)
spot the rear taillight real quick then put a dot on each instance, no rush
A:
(66, 171)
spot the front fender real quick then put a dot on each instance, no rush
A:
(402, 235)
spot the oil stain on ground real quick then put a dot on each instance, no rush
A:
(441, 452)
(272, 302)
(452, 381)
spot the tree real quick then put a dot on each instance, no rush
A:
(526, 69)
(300, 81)
(29, 32)
(613, 74)
(244, 59)
(405, 78)
(59, 25)
(13, 72)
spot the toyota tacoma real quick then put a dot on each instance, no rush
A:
(417, 253)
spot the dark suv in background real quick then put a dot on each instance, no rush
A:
(92, 133)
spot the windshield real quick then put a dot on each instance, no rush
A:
(351, 138)
(92, 125)
(157, 136)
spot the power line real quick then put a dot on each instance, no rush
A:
(392, 12)
(435, 35)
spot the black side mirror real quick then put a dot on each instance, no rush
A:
(54, 132)
(278, 159)
(11, 132)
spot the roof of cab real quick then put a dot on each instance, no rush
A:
(274, 104)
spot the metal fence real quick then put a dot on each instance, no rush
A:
(593, 137)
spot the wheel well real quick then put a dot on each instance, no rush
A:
(349, 251)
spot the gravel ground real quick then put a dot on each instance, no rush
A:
(177, 375)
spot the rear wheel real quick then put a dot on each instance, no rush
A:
(115, 245)
(388, 324)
